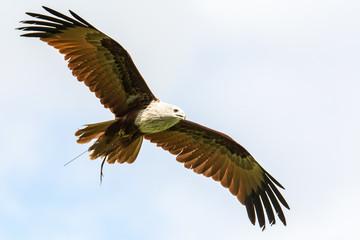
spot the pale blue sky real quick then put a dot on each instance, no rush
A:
(280, 77)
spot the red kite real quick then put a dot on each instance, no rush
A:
(108, 70)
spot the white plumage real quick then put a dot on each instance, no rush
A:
(158, 116)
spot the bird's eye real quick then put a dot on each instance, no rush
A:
(175, 110)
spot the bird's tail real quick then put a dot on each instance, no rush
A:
(114, 147)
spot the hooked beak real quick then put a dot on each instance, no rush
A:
(182, 116)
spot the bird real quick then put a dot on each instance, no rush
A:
(107, 70)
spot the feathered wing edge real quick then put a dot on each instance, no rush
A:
(216, 155)
(51, 25)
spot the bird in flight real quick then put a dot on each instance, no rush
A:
(108, 70)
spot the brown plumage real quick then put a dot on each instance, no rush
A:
(107, 69)
(216, 155)
(95, 59)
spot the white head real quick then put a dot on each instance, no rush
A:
(158, 116)
(167, 110)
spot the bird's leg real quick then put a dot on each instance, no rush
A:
(101, 170)
(119, 128)
(123, 134)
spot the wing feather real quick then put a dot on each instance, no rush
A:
(94, 58)
(217, 166)
(206, 169)
(226, 181)
(188, 156)
(216, 155)
(201, 160)
(259, 210)
(276, 205)
(221, 173)
(235, 183)
(268, 208)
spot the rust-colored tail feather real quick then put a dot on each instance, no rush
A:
(115, 147)
(92, 131)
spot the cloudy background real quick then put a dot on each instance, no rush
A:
(281, 77)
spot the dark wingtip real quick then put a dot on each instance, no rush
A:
(274, 180)
(50, 10)
(259, 210)
(266, 199)
(250, 210)
(29, 13)
(35, 34)
(47, 25)
(77, 17)
(278, 195)
(268, 208)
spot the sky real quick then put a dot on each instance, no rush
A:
(281, 77)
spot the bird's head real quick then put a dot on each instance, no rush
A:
(178, 112)
(171, 111)
(158, 116)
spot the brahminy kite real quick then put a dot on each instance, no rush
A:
(108, 70)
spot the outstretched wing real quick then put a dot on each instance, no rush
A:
(216, 155)
(94, 58)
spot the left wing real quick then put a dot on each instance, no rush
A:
(94, 58)
(216, 155)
